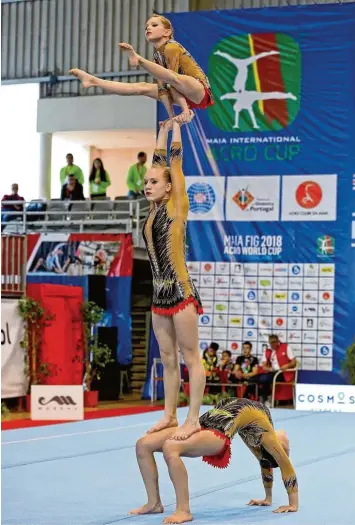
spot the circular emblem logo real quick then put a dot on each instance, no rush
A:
(309, 194)
(202, 197)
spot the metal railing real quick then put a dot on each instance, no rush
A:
(42, 216)
(13, 265)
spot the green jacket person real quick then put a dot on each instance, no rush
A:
(99, 180)
(135, 177)
(71, 169)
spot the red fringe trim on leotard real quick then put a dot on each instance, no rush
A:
(181, 306)
(222, 459)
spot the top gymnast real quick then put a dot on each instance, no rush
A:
(176, 303)
(181, 81)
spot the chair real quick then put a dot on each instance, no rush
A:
(284, 390)
(124, 377)
(14, 226)
(102, 211)
(223, 378)
(56, 213)
(78, 214)
(123, 208)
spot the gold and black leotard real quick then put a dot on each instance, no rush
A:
(164, 233)
(252, 421)
(175, 57)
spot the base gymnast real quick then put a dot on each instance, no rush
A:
(231, 416)
(181, 80)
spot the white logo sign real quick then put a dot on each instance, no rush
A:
(309, 198)
(14, 382)
(253, 198)
(222, 268)
(204, 332)
(334, 398)
(206, 198)
(54, 402)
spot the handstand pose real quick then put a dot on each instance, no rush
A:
(180, 79)
(231, 416)
(176, 302)
(242, 65)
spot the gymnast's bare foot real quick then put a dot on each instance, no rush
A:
(186, 430)
(179, 516)
(132, 55)
(260, 502)
(148, 508)
(165, 422)
(286, 508)
(84, 77)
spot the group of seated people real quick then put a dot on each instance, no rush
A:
(246, 370)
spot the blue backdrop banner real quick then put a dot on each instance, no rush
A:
(270, 177)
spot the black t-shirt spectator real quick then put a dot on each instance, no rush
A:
(247, 363)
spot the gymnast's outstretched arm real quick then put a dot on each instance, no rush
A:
(267, 477)
(160, 152)
(179, 203)
(273, 446)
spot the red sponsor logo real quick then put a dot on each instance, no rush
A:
(309, 194)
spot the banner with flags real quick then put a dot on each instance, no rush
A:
(100, 263)
(269, 173)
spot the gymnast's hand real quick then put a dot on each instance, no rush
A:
(260, 502)
(185, 117)
(132, 55)
(286, 508)
(166, 124)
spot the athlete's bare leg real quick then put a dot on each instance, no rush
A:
(146, 89)
(204, 443)
(188, 86)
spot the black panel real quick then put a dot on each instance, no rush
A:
(97, 290)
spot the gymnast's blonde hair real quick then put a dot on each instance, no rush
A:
(166, 23)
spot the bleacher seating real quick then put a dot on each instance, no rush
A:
(119, 216)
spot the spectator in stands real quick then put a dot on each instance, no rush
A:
(246, 369)
(71, 169)
(99, 180)
(209, 358)
(135, 177)
(209, 361)
(226, 363)
(278, 357)
(6, 208)
(72, 190)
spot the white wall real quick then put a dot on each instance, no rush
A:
(19, 139)
(95, 113)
